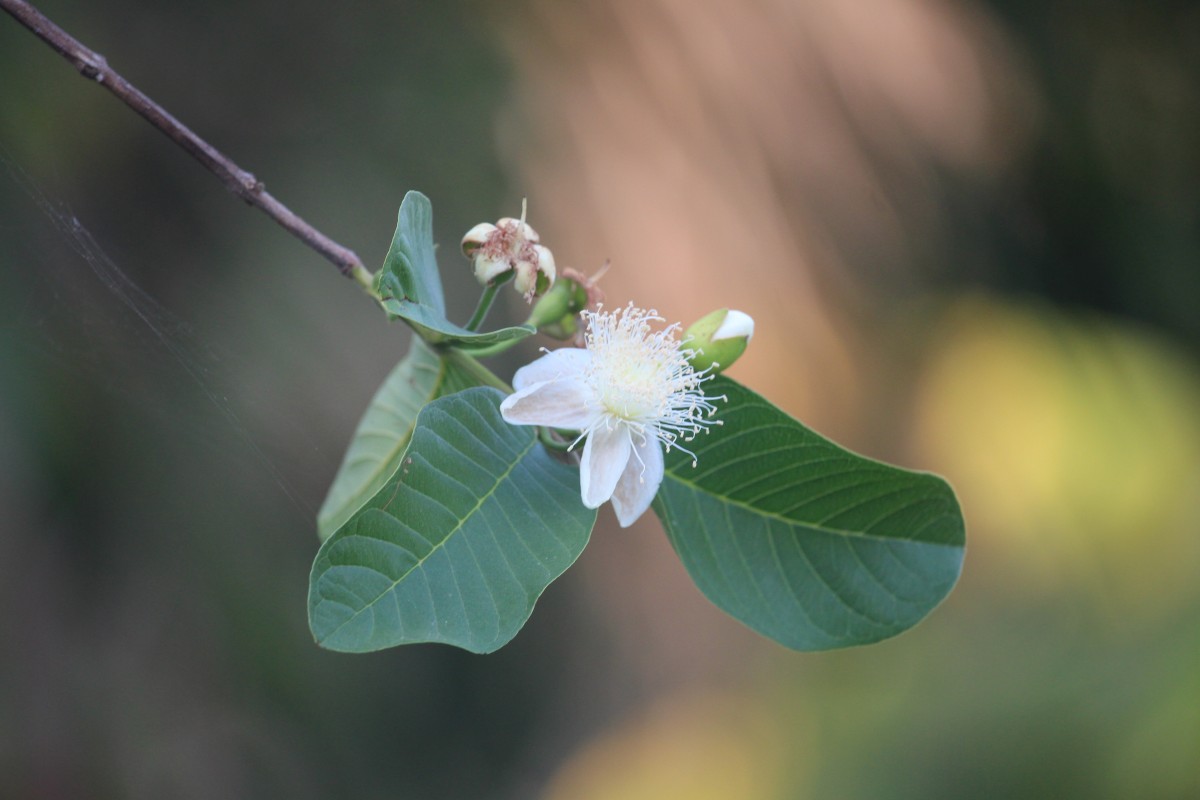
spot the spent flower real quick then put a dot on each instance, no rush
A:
(631, 393)
(513, 248)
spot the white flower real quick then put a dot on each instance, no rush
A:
(632, 392)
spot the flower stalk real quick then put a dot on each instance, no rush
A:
(486, 299)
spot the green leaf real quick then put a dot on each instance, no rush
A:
(434, 328)
(459, 544)
(802, 540)
(410, 271)
(410, 287)
(383, 432)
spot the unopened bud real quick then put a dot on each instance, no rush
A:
(565, 330)
(556, 313)
(718, 339)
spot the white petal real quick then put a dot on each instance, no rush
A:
(545, 264)
(639, 482)
(558, 404)
(736, 323)
(604, 458)
(487, 269)
(526, 279)
(564, 363)
(476, 237)
(524, 228)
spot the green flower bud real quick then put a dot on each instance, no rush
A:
(564, 330)
(556, 313)
(718, 339)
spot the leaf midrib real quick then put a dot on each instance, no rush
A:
(450, 534)
(797, 523)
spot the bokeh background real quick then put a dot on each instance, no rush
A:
(969, 231)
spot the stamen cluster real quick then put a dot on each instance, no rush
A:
(643, 377)
(631, 393)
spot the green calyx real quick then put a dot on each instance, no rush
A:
(718, 339)
(556, 313)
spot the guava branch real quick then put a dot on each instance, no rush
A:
(92, 65)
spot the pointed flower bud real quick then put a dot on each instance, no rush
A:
(557, 303)
(510, 248)
(718, 339)
(557, 313)
(565, 329)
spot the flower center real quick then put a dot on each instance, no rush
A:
(642, 377)
(631, 388)
(510, 243)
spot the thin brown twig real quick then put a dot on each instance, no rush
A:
(242, 183)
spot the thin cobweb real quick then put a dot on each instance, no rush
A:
(159, 339)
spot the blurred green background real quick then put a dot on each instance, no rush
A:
(969, 233)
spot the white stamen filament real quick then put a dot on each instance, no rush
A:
(632, 392)
(643, 379)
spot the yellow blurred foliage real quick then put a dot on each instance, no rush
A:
(1074, 443)
(696, 746)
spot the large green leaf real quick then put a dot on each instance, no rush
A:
(803, 541)
(382, 434)
(410, 288)
(459, 544)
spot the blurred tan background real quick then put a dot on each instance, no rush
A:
(969, 233)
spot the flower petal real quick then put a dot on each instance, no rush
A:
(565, 362)
(639, 482)
(523, 228)
(476, 237)
(488, 268)
(735, 324)
(604, 459)
(556, 403)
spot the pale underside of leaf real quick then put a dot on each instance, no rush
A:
(410, 286)
(410, 270)
(434, 328)
(374, 452)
